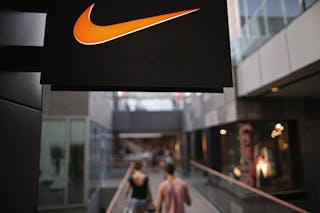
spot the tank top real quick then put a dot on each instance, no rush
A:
(174, 194)
(139, 192)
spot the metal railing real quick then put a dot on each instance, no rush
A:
(119, 189)
(216, 187)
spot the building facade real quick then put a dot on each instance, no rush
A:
(267, 126)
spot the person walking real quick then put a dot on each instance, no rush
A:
(167, 159)
(173, 192)
(138, 183)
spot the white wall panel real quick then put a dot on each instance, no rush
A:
(248, 75)
(274, 59)
(101, 108)
(304, 38)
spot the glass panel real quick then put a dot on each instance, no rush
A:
(76, 162)
(273, 172)
(293, 9)
(263, 22)
(253, 6)
(309, 3)
(149, 101)
(228, 197)
(52, 163)
(275, 16)
(100, 155)
(94, 157)
(242, 12)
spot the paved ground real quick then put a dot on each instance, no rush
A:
(198, 204)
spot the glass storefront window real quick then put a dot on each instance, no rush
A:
(76, 161)
(61, 178)
(258, 153)
(52, 184)
(100, 149)
(272, 157)
(230, 150)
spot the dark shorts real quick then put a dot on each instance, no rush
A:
(138, 204)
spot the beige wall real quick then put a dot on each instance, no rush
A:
(233, 18)
(64, 103)
(101, 108)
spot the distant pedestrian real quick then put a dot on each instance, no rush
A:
(167, 159)
(173, 192)
(154, 159)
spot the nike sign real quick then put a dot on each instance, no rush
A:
(87, 33)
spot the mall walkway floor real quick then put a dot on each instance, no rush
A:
(199, 205)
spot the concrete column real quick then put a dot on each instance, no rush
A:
(197, 146)
(210, 159)
(186, 153)
(215, 149)
(20, 112)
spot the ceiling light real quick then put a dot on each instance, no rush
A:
(279, 126)
(223, 132)
(121, 94)
(275, 89)
(237, 171)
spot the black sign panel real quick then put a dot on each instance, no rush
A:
(150, 45)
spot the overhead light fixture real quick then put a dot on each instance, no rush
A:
(275, 89)
(187, 94)
(198, 93)
(223, 132)
(121, 94)
(279, 126)
(237, 171)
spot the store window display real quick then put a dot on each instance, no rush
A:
(259, 154)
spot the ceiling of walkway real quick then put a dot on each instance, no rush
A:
(303, 83)
(306, 87)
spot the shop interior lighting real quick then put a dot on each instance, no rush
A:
(277, 131)
(237, 171)
(177, 148)
(263, 166)
(279, 126)
(223, 132)
(275, 89)
(198, 93)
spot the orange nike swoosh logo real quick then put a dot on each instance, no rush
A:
(87, 33)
